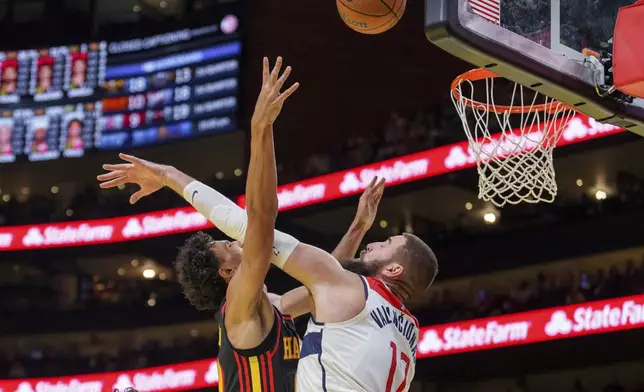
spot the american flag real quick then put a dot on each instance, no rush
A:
(488, 9)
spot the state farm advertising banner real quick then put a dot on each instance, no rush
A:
(299, 194)
(532, 327)
(467, 336)
(178, 377)
(426, 164)
(102, 231)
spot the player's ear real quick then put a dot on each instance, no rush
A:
(393, 270)
(227, 272)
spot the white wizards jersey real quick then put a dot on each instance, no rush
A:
(373, 352)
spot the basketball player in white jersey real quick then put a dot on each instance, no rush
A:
(361, 337)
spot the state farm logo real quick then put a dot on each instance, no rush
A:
(577, 129)
(5, 242)
(588, 319)
(132, 229)
(301, 194)
(400, 171)
(54, 235)
(458, 157)
(122, 383)
(24, 387)
(458, 338)
(212, 375)
(431, 343)
(558, 324)
(33, 237)
(154, 225)
(157, 381)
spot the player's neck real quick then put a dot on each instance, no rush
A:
(398, 291)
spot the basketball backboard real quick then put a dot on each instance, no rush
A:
(539, 44)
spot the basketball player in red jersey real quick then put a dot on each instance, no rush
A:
(258, 345)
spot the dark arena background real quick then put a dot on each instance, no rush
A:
(530, 298)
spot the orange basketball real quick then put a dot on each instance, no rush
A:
(371, 16)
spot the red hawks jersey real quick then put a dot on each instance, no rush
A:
(373, 352)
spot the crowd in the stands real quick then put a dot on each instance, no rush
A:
(545, 290)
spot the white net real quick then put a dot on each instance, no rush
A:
(513, 142)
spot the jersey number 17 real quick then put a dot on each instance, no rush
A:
(392, 369)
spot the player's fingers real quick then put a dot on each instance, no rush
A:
(381, 185)
(282, 80)
(372, 183)
(111, 175)
(130, 158)
(265, 71)
(119, 166)
(276, 69)
(288, 92)
(114, 183)
(136, 196)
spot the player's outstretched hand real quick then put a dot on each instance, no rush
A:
(368, 205)
(271, 100)
(147, 175)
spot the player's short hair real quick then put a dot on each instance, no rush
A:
(197, 270)
(421, 263)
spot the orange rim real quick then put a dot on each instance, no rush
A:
(477, 74)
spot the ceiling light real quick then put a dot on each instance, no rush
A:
(149, 273)
(469, 206)
(600, 195)
(580, 182)
(383, 223)
(489, 218)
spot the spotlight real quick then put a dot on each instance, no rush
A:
(489, 218)
(600, 195)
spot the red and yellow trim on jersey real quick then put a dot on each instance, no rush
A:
(255, 373)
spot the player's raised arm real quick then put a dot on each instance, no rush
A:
(365, 216)
(245, 289)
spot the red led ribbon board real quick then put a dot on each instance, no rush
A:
(405, 169)
(467, 336)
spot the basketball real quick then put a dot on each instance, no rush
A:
(371, 16)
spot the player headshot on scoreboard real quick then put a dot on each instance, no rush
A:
(9, 77)
(40, 127)
(6, 128)
(45, 74)
(79, 70)
(74, 135)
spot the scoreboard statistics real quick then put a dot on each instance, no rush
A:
(61, 102)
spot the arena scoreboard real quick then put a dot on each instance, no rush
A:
(62, 102)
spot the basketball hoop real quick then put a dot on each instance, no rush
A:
(514, 153)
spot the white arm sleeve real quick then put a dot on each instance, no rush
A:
(232, 220)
